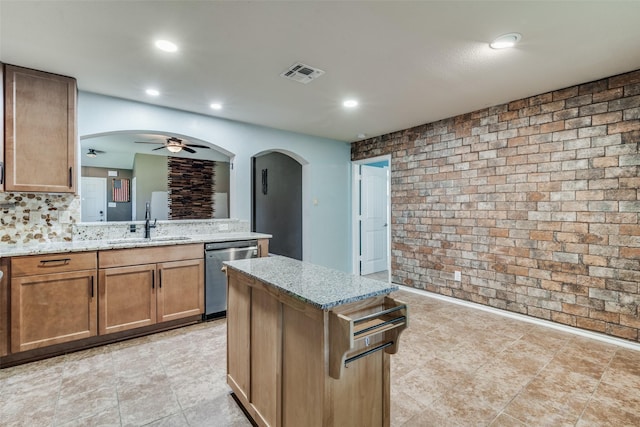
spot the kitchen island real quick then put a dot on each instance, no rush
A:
(308, 345)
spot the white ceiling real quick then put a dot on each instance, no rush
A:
(408, 63)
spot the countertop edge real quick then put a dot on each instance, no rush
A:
(108, 244)
(326, 306)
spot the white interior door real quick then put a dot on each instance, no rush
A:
(373, 219)
(94, 199)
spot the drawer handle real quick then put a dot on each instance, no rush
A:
(46, 262)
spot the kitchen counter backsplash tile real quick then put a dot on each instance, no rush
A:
(28, 218)
(122, 230)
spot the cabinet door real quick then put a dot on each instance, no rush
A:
(127, 298)
(40, 129)
(180, 289)
(52, 308)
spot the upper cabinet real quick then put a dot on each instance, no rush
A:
(40, 131)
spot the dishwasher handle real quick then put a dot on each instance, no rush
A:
(243, 244)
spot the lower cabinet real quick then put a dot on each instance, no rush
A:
(136, 292)
(59, 298)
(53, 300)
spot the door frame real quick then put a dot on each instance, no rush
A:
(306, 183)
(355, 205)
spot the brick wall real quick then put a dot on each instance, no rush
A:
(536, 202)
(190, 183)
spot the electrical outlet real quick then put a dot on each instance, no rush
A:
(457, 276)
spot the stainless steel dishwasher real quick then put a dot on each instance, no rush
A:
(215, 293)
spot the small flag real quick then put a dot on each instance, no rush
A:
(120, 190)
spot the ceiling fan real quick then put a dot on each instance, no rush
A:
(174, 145)
(92, 152)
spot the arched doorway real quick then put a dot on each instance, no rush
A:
(277, 202)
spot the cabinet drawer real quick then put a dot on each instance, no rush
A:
(52, 263)
(136, 256)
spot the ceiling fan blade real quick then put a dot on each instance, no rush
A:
(159, 148)
(188, 150)
(196, 145)
(148, 142)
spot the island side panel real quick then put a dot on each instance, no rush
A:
(265, 359)
(303, 367)
(239, 335)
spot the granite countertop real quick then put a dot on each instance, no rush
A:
(318, 286)
(123, 243)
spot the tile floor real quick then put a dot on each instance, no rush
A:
(457, 366)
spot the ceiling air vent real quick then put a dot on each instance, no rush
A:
(302, 73)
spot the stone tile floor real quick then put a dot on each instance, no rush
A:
(457, 366)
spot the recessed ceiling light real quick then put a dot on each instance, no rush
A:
(152, 92)
(216, 106)
(350, 103)
(506, 40)
(362, 135)
(166, 45)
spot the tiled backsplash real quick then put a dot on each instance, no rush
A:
(29, 218)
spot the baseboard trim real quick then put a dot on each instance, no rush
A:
(522, 317)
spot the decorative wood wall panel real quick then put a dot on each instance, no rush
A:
(191, 184)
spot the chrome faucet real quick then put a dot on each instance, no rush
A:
(147, 222)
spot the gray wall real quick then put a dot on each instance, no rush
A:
(151, 175)
(279, 212)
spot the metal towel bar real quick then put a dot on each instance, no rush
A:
(378, 314)
(379, 325)
(368, 352)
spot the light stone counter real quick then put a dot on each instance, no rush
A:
(318, 286)
(123, 243)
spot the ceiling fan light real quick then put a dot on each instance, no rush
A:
(166, 45)
(91, 154)
(350, 103)
(506, 41)
(174, 148)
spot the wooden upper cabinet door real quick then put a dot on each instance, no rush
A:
(180, 289)
(127, 298)
(40, 131)
(52, 308)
